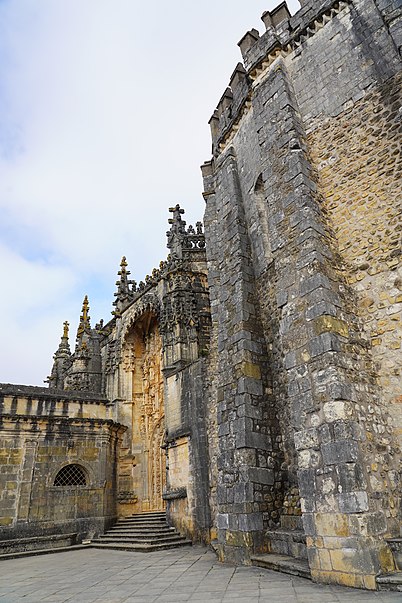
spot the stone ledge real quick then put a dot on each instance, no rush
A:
(40, 393)
(391, 582)
(29, 545)
(36, 552)
(34, 539)
(175, 494)
(283, 563)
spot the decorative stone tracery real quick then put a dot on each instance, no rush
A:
(142, 359)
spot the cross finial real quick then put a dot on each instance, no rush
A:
(176, 211)
(178, 225)
(65, 329)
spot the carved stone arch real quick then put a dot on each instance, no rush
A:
(147, 304)
(143, 467)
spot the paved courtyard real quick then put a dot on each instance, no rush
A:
(188, 574)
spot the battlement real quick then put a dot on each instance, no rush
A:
(285, 34)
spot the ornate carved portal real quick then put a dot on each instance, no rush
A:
(142, 357)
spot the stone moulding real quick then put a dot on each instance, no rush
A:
(175, 494)
(58, 420)
(40, 393)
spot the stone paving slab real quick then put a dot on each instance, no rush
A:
(172, 576)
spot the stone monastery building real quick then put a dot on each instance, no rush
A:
(251, 386)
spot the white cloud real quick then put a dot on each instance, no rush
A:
(103, 125)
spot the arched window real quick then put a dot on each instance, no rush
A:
(71, 475)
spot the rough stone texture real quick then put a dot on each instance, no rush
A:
(257, 370)
(302, 228)
(40, 434)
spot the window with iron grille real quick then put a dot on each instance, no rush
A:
(71, 475)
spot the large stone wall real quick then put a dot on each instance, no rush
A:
(357, 182)
(40, 434)
(303, 276)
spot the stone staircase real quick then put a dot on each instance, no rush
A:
(287, 549)
(144, 532)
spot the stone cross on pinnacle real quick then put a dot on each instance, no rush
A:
(65, 329)
(178, 225)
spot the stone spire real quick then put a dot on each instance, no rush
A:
(85, 371)
(62, 361)
(124, 294)
(84, 327)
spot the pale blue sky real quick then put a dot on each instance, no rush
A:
(104, 107)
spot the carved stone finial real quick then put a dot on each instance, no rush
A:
(85, 309)
(178, 225)
(65, 329)
(61, 362)
(124, 294)
(84, 324)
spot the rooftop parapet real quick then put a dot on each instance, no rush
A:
(230, 103)
(248, 41)
(40, 393)
(275, 18)
(277, 28)
(284, 34)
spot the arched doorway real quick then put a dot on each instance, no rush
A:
(143, 347)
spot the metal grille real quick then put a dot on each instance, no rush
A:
(70, 475)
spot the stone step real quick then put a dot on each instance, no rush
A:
(291, 543)
(135, 530)
(150, 521)
(139, 547)
(18, 545)
(283, 563)
(143, 532)
(143, 538)
(136, 524)
(143, 519)
(122, 531)
(392, 582)
(143, 525)
(148, 516)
